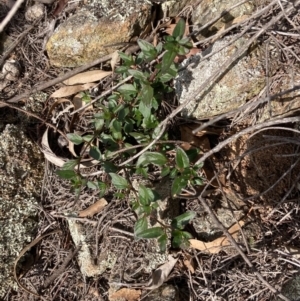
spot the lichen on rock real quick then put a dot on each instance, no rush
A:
(21, 174)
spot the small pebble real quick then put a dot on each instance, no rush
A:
(11, 70)
(35, 12)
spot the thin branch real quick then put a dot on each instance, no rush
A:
(11, 13)
(62, 268)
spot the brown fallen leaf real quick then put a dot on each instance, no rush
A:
(87, 77)
(114, 60)
(216, 245)
(70, 90)
(189, 263)
(160, 275)
(127, 294)
(93, 209)
(180, 58)
(187, 135)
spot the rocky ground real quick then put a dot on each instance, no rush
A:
(240, 82)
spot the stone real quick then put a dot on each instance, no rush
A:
(241, 82)
(21, 174)
(35, 12)
(11, 70)
(86, 35)
(166, 292)
(207, 10)
(291, 289)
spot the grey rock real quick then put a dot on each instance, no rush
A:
(207, 10)
(291, 289)
(164, 293)
(241, 82)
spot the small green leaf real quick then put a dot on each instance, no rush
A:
(92, 185)
(121, 69)
(75, 138)
(88, 138)
(127, 89)
(181, 239)
(148, 51)
(126, 58)
(118, 181)
(186, 41)
(99, 123)
(116, 128)
(143, 171)
(167, 61)
(152, 158)
(182, 160)
(102, 187)
(165, 171)
(146, 209)
(144, 109)
(139, 137)
(146, 195)
(178, 184)
(70, 165)
(66, 174)
(182, 220)
(109, 167)
(146, 95)
(151, 233)
(95, 153)
(198, 181)
(162, 242)
(166, 77)
(145, 46)
(179, 29)
(137, 74)
(140, 226)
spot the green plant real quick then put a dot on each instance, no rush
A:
(128, 119)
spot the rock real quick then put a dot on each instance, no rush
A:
(241, 82)
(164, 293)
(204, 11)
(11, 70)
(21, 174)
(291, 289)
(207, 10)
(86, 263)
(173, 8)
(286, 105)
(35, 12)
(84, 37)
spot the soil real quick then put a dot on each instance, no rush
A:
(257, 180)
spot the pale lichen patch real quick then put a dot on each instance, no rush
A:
(21, 173)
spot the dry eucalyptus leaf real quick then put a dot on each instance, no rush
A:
(189, 263)
(93, 209)
(161, 274)
(49, 155)
(87, 77)
(70, 90)
(58, 161)
(114, 60)
(216, 245)
(126, 294)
